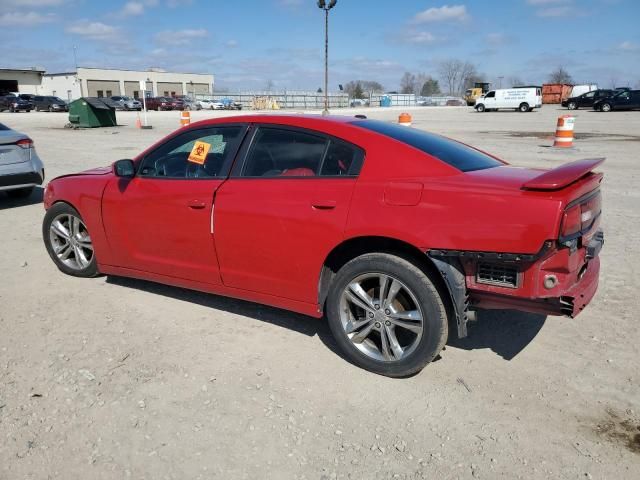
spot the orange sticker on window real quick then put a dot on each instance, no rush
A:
(199, 152)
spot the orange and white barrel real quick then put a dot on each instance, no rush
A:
(404, 119)
(185, 118)
(564, 131)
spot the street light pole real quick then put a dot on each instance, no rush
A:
(326, 7)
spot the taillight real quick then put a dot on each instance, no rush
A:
(25, 143)
(579, 218)
(571, 222)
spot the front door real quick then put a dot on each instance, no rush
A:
(160, 220)
(283, 210)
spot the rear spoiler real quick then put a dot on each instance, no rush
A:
(563, 175)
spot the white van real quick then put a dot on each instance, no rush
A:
(524, 99)
(578, 90)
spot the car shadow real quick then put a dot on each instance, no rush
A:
(7, 201)
(505, 332)
(296, 322)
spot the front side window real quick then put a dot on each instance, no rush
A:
(491, 95)
(202, 153)
(589, 95)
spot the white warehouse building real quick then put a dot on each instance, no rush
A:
(102, 82)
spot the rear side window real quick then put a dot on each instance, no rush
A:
(456, 154)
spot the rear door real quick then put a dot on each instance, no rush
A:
(283, 209)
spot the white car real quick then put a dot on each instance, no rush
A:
(20, 167)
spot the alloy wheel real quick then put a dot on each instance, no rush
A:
(381, 317)
(70, 241)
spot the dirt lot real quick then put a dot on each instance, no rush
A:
(112, 378)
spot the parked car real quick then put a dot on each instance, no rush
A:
(20, 167)
(390, 263)
(524, 99)
(216, 105)
(126, 103)
(191, 104)
(14, 104)
(159, 103)
(586, 99)
(49, 104)
(204, 104)
(624, 100)
(177, 104)
(230, 104)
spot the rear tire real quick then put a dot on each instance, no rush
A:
(524, 107)
(395, 334)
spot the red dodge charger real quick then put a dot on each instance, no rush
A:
(396, 234)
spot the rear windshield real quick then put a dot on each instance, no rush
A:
(455, 154)
(3, 127)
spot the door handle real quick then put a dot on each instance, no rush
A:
(323, 204)
(196, 204)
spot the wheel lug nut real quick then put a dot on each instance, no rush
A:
(371, 314)
(387, 312)
(387, 323)
(377, 306)
(377, 324)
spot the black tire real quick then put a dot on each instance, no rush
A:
(57, 209)
(524, 107)
(50, 109)
(480, 107)
(606, 107)
(435, 323)
(572, 106)
(20, 192)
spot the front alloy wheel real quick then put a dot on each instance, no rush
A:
(386, 315)
(68, 241)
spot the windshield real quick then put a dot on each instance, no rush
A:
(126, 99)
(456, 154)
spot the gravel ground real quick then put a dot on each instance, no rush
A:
(111, 378)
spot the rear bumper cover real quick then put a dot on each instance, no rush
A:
(20, 180)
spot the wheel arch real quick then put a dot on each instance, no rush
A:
(356, 246)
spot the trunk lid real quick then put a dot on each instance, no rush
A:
(10, 152)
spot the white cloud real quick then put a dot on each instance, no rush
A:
(11, 19)
(31, 3)
(628, 46)
(446, 13)
(132, 8)
(555, 12)
(231, 43)
(180, 37)
(498, 39)
(93, 30)
(546, 2)
(420, 38)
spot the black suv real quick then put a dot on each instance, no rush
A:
(586, 99)
(14, 104)
(49, 104)
(624, 100)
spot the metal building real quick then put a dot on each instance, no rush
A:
(20, 80)
(102, 82)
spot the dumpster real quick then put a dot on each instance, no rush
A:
(385, 101)
(90, 112)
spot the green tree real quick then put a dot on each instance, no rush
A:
(357, 91)
(430, 88)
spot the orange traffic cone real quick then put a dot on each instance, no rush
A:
(138, 122)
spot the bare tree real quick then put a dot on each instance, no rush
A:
(407, 83)
(449, 71)
(560, 75)
(269, 85)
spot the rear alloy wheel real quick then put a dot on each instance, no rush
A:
(572, 106)
(68, 241)
(605, 107)
(524, 107)
(386, 315)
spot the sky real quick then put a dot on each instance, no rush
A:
(248, 44)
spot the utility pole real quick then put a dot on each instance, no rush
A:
(326, 7)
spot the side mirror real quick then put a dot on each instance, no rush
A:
(124, 168)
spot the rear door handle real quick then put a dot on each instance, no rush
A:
(324, 204)
(196, 204)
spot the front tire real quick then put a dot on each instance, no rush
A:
(68, 242)
(572, 106)
(386, 315)
(605, 107)
(481, 108)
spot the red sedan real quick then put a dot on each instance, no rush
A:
(396, 234)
